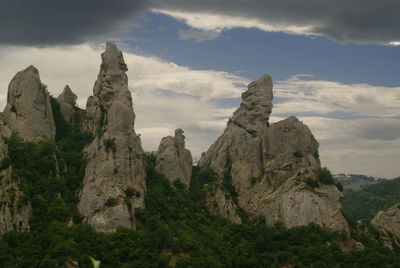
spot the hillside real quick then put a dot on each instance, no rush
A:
(364, 204)
(355, 181)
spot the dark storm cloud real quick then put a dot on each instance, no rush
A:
(360, 21)
(52, 22)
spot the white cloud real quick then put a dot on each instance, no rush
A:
(302, 95)
(218, 22)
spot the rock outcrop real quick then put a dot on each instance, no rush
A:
(173, 159)
(29, 114)
(388, 224)
(28, 111)
(114, 182)
(267, 164)
(67, 101)
(13, 215)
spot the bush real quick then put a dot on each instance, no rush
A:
(111, 202)
(325, 176)
(312, 183)
(298, 153)
(129, 192)
(110, 145)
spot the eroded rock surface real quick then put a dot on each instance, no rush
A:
(268, 164)
(114, 182)
(29, 114)
(67, 101)
(28, 111)
(388, 224)
(173, 159)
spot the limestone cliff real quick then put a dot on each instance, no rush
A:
(267, 164)
(173, 159)
(388, 224)
(114, 183)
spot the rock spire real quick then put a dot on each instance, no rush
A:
(114, 182)
(173, 159)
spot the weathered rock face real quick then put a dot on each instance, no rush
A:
(269, 163)
(28, 111)
(114, 182)
(173, 159)
(219, 203)
(388, 224)
(13, 215)
(67, 101)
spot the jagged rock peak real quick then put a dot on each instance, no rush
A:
(112, 71)
(256, 105)
(28, 111)
(67, 96)
(388, 224)
(173, 159)
(114, 182)
(268, 164)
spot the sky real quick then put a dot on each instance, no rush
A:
(334, 65)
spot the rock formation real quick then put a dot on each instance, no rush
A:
(173, 159)
(12, 216)
(28, 111)
(268, 164)
(114, 183)
(67, 101)
(388, 224)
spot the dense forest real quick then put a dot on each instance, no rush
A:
(175, 228)
(364, 204)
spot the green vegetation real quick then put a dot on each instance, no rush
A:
(298, 153)
(110, 145)
(364, 204)
(174, 228)
(312, 183)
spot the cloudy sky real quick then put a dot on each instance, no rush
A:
(335, 65)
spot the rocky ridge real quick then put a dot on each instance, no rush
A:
(114, 183)
(268, 164)
(173, 159)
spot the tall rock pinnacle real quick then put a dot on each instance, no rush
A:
(268, 164)
(114, 182)
(173, 159)
(28, 111)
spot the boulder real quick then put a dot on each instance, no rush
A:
(267, 164)
(114, 182)
(173, 159)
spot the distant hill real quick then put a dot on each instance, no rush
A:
(355, 181)
(364, 204)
